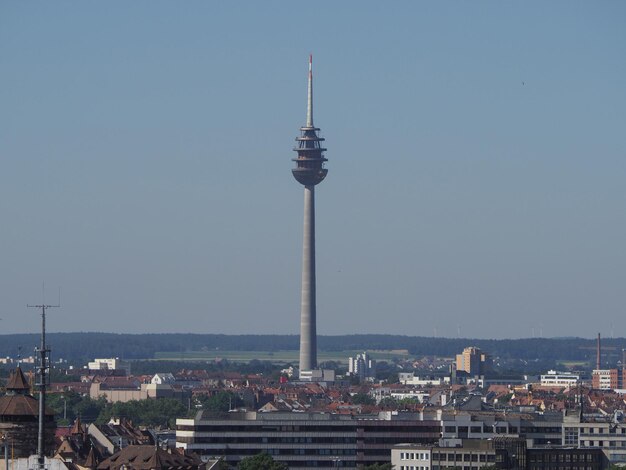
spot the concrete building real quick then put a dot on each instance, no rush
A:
(304, 440)
(361, 366)
(609, 435)
(473, 361)
(565, 458)
(122, 393)
(554, 378)
(470, 454)
(503, 453)
(409, 378)
(309, 172)
(110, 364)
(537, 429)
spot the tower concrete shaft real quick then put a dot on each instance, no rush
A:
(309, 171)
(308, 331)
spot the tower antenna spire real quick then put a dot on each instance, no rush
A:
(43, 351)
(309, 106)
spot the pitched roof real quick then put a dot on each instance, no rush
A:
(148, 457)
(91, 461)
(19, 405)
(17, 381)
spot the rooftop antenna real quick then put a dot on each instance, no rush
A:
(44, 365)
(598, 353)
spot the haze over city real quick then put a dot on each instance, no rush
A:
(476, 167)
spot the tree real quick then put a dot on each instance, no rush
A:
(362, 399)
(150, 412)
(261, 461)
(379, 466)
(389, 402)
(220, 402)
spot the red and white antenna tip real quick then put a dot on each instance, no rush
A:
(310, 61)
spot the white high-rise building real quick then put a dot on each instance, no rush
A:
(361, 366)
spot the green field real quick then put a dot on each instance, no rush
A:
(573, 364)
(279, 357)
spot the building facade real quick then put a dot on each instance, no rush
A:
(473, 361)
(607, 379)
(303, 440)
(554, 378)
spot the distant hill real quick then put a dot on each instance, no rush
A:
(86, 346)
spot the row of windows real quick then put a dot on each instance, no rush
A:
(452, 457)
(368, 427)
(311, 451)
(610, 429)
(266, 440)
(604, 443)
(564, 457)
(228, 451)
(481, 429)
(574, 467)
(413, 456)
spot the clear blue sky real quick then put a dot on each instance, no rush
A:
(477, 166)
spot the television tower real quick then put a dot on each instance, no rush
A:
(309, 171)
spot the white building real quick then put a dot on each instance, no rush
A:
(554, 378)
(161, 379)
(465, 454)
(109, 364)
(409, 378)
(361, 366)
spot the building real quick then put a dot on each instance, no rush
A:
(473, 361)
(565, 458)
(361, 366)
(504, 453)
(304, 440)
(117, 434)
(607, 435)
(607, 379)
(554, 378)
(111, 364)
(309, 172)
(149, 457)
(538, 429)
(19, 418)
(118, 391)
(409, 378)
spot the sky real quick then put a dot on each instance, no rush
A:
(476, 156)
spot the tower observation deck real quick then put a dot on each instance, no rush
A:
(309, 171)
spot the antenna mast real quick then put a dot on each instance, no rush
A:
(44, 365)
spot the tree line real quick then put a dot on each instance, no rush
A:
(81, 347)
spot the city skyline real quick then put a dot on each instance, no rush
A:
(478, 168)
